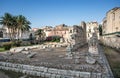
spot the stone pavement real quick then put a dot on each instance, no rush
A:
(109, 73)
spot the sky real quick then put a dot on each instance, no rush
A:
(54, 12)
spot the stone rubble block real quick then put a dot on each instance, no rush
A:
(42, 74)
(46, 72)
(53, 76)
(70, 72)
(62, 72)
(24, 71)
(58, 76)
(52, 70)
(16, 50)
(26, 48)
(38, 73)
(43, 69)
(35, 68)
(26, 67)
(97, 75)
(48, 75)
(31, 55)
(76, 73)
(67, 76)
(85, 74)
(25, 52)
(53, 46)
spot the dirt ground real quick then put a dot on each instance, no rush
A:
(55, 57)
(113, 57)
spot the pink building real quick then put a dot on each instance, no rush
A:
(59, 30)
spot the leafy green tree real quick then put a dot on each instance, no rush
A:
(100, 30)
(40, 34)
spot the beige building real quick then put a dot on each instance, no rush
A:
(111, 23)
(91, 27)
(111, 28)
(71, 34)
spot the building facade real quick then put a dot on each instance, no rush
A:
(92, 27)
(111, 28)
(111, 23)
(72, 35)
(59, 30)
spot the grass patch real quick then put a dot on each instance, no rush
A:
(2, 49)
(113, 57)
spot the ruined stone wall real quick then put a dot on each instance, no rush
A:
(113, 42)
(47, 72)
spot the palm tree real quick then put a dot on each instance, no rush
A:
(6, 20)
(40, 34)
(23, 25)
(16, 25)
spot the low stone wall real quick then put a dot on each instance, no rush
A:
(47, 72)
(113, 42)
(43, 46)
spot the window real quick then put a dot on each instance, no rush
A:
(70, 31)
(89, 30)
(113, 16)
(88, 35)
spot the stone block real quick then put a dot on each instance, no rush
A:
(90, 60)
(19, 49)
(31, 55)
(48, 49)
(85, 74)
(43, 69)
(26, 48)
(62, 72)
(25, 52)
(42, 74)
(38, 73)
(47, 75)
(77, 74)
(52, 70)
(53, 76)
(58, 76)
(12, 50)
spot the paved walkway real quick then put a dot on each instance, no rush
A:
(105, 62)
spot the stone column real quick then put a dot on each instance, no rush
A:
(93, 49)
(69, 52)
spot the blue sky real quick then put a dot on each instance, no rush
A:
(55, 12)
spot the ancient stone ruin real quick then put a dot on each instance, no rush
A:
(93, 49)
